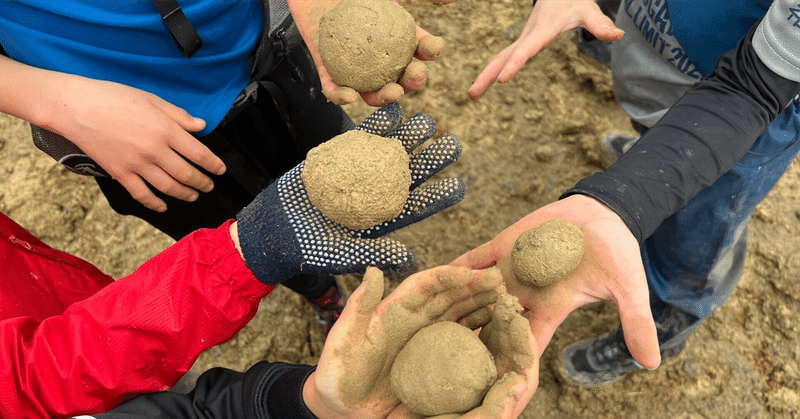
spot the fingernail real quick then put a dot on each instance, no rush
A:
(194, 197)
(161, 208)
(221, 171)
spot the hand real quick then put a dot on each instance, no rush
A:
(511, 343)
(352, 377)
(429, 48)
(136, 137)
(283, 234)
(548, 19)
(611, 269)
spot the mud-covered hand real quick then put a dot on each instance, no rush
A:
(282, 233)
(513, 347)
(611, 269)
(352, 377)
(548, 19)
(307, 15)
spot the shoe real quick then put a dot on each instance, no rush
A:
(614, 145)
(328, 307)
(605, 359)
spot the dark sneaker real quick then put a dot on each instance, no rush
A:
(614, 145)
(605, 359)
(328, 307)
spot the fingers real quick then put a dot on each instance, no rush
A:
(429, 47)
(414, 77)
(341, 95)
(481, 257)
(416, 131)
(362, 303)
(601, 26)
(196, 152)
(505, 399)
(433, 159)
(141, 192)
(421, 204)
(383, 121)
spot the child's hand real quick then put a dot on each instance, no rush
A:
(548, 19)
(137, 137)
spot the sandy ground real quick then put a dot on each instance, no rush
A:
(524, 143)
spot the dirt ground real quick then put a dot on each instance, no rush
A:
(524, 143)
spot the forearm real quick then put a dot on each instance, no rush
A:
(700, 138)
(139, 334)
(29, 93)
(265, 391)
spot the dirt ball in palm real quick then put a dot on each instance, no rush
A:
(358, 179)
(444, 368)
(366, 44)
(546, 254)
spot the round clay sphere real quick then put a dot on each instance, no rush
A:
(358, 179)
(546, 254)
(444, 368)
(366, 44)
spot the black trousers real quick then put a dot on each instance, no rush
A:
(261, 143)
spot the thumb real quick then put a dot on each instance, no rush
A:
(603, 28)
(639, 328)
(481, 257)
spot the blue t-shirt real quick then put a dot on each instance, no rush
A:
(707, 29)
(126, 41)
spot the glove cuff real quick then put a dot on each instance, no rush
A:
(267, 239)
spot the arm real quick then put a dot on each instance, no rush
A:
(717, 121)
(351, 379)
(307, 16)
(135, 136)
(138, 334)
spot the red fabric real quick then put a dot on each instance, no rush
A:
(74, 341)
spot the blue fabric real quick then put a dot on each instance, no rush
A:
(125, 41)
(706, 29)
(694, 260)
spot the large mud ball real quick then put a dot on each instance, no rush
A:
(358, 179)
(444, 368)
(366, 44)
(546, 254)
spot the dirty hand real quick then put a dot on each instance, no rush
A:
(513, 347)
(548, 19)
(283, 234)
(352, 377)
(307, 16)
(136, 137)
(611, 269)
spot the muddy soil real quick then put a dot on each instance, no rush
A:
(524, 143)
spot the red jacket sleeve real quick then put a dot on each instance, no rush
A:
(138, 334)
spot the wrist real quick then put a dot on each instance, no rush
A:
(316, 402)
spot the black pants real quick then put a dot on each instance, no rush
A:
(258, 145)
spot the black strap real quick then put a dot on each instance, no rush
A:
(184, 34)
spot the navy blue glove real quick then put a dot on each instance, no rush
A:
(282, 234)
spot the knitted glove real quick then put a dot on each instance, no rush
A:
(282, 234)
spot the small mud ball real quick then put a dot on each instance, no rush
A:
(358, 179)
(366, 44)
(444, 368)
(546, 254)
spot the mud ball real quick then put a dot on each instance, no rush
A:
(358, 179)
(366, 44)
(444, 368)
(546, 254)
